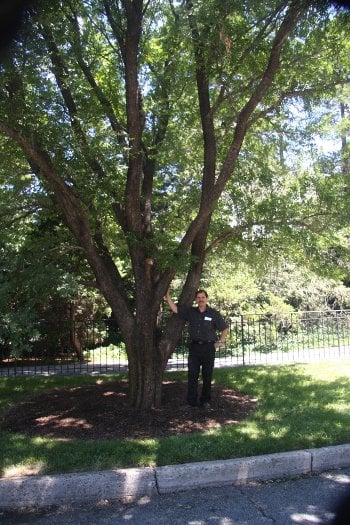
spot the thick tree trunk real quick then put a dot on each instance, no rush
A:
(146, 368)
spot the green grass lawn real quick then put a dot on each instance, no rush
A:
(299, 406)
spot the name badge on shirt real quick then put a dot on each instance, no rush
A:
(207, 318)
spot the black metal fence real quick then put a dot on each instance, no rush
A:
(95, 347)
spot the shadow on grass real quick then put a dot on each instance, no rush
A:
(23, 455)
(296, 409)
(13, 389)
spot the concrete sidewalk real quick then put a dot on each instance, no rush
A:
(127, 484)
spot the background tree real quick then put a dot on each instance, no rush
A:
(136, 118)
(45, 285)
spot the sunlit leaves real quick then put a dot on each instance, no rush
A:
(74, 51)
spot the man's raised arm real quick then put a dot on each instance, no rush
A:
(172, 305)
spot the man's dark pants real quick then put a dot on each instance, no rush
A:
(200, 355)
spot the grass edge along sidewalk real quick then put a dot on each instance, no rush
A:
(299, 407)
(128, 484)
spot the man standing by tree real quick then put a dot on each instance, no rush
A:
(204, 322)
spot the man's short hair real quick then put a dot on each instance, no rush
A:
(202, 291)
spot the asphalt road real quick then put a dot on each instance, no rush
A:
(306, 500)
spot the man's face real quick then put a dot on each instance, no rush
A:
(201, 299)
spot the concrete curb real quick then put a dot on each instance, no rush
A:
(124, 484)
(87, 487)
(232, 471)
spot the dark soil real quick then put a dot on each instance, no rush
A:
(101, 411)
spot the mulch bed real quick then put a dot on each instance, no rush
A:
(101, 411)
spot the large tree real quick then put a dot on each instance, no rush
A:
(133, 115)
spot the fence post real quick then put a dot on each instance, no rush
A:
(242, 339)
(338, 335)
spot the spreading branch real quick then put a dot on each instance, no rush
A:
(295, 11)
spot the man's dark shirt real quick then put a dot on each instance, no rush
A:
(202, 325)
